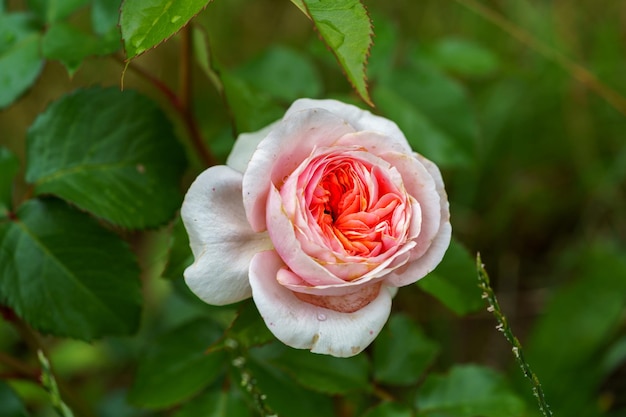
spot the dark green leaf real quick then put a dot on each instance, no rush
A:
(283, 395)
(454, 282)
(147, 23)
(402, 352)
(118, 143)
(176, 365)
(66, 275)
(54, 10)
(180, 256)
(248, 329)
(283, 73)
(390, 409)
(215, 403)
(20, 61)
(71, 46)
(323, 373)
(463, 57)
(468, 391)
(10, 403)
(345, 27)
(9, 166)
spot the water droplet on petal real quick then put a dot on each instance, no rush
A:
(321, 317)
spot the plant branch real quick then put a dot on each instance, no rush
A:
(577, 71)
(503, 326)
(22, 370)
(181, 108)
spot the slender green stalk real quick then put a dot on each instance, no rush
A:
(503, 326)
(50, 385)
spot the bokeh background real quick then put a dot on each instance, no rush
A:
(521, 103)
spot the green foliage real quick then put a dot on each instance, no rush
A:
(11, 404)
(530, 145)
(453, 283)
(20, 62)
(468, 391)
(346, 29)
(215, 403)
(146, 24)
(285, 397)
(176, 366)
(50, 11)
(9, 165)
(402, 352)
(588, 331)
(65, 274)
(71, 46)
(119, 143)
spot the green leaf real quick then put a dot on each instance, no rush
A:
(105, 15)
(180, 256)
(12, 405)
(283, 73)
(402, 352)
(453, 282)
(323, 373)
(146, 23)
(20, 61)
(216, 403)
(66, 275)
(390, 409)
(9, 166)
(468, 391)
(248, 329)
(176, 365)
(54, 10)
(463, 57)
(71, 46)
(345, 27)
(283, 394)
(118, 143)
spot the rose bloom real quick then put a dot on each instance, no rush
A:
(319, 217)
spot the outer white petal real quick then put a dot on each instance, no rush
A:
(290, 142)
(304, 326)
(221, 240)
(421, 266)
(359, 119)
(244, 147)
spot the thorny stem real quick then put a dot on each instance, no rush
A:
(35, 344)
(50, 385)
(181, 107)
(577, 71)
(503, 326)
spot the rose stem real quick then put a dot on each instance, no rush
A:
(503, 326)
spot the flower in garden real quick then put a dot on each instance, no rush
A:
(319, 217)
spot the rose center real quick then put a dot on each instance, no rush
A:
(354, 206)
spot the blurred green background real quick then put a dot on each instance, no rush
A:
(532, 153)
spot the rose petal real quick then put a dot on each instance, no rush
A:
(376, 143)
(281, 151)
(221, 240)
(244, 147)
(305, 326)
(360, 120)
(422, 264)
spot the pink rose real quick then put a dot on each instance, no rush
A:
(318, 217)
